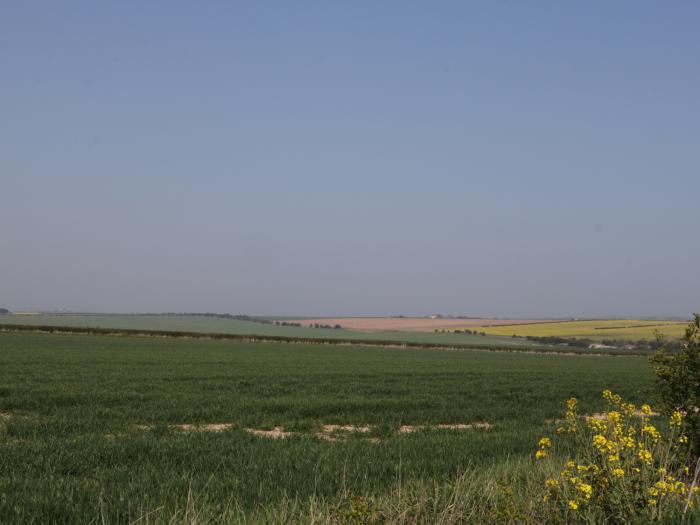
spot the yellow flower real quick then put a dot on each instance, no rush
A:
(645, 456)
(651, 431)
(662, 486)
(652, 502)
(573, 504)
(540, 454)
(551, 483)
(618, 473)
(683, 439)
(571, 404)
(599, 440)
(614, 416)
(545, 442)
(676, 418)
(646, 410)
(613, 458)
(586, 490)
(627, 442)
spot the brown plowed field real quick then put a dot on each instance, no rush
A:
(411, 324)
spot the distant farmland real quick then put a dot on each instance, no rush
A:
(211, 324)
(411, 324)
(627, 329)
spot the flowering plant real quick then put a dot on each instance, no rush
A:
(625, 468)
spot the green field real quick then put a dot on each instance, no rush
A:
(230, 326)
(87, 428)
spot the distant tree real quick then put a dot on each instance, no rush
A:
(4, 311)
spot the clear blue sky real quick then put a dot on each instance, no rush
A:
(495, 158)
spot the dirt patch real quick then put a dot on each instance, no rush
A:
(411, 324)
(464, 426)
(207, 427)
(407, 429)
(329, 429)
(275, 433)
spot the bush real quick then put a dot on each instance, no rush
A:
(623, 469)
(678, 379)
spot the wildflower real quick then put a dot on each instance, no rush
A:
(618, 473)
(662, 486)
(646, 410)
(573, 504)
(540, 454)
(683, 439)
(599, 440)
(545, 442)
(551, 483)
(645, 456)
(627, 442)
(651, 431)
(676, 418)
(613, 458)
(614, 416)
(586, 490)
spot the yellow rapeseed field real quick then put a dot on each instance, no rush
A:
(630, 329)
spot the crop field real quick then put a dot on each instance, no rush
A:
(411, 324)
(191, 323)
(620, 329)
(105, 429)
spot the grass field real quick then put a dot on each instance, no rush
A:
(86, 432)
(234, 326)
(619, 329)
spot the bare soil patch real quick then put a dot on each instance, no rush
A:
(329, 429)
(407, 429)
(208, 427)
(275, 433)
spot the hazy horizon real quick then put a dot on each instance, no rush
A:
(473, 159)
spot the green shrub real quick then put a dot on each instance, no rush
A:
(678, 378)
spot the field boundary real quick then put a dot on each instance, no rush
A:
(132, 332)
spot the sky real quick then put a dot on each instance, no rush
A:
(525, 159)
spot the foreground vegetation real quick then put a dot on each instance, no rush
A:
(89, 429)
